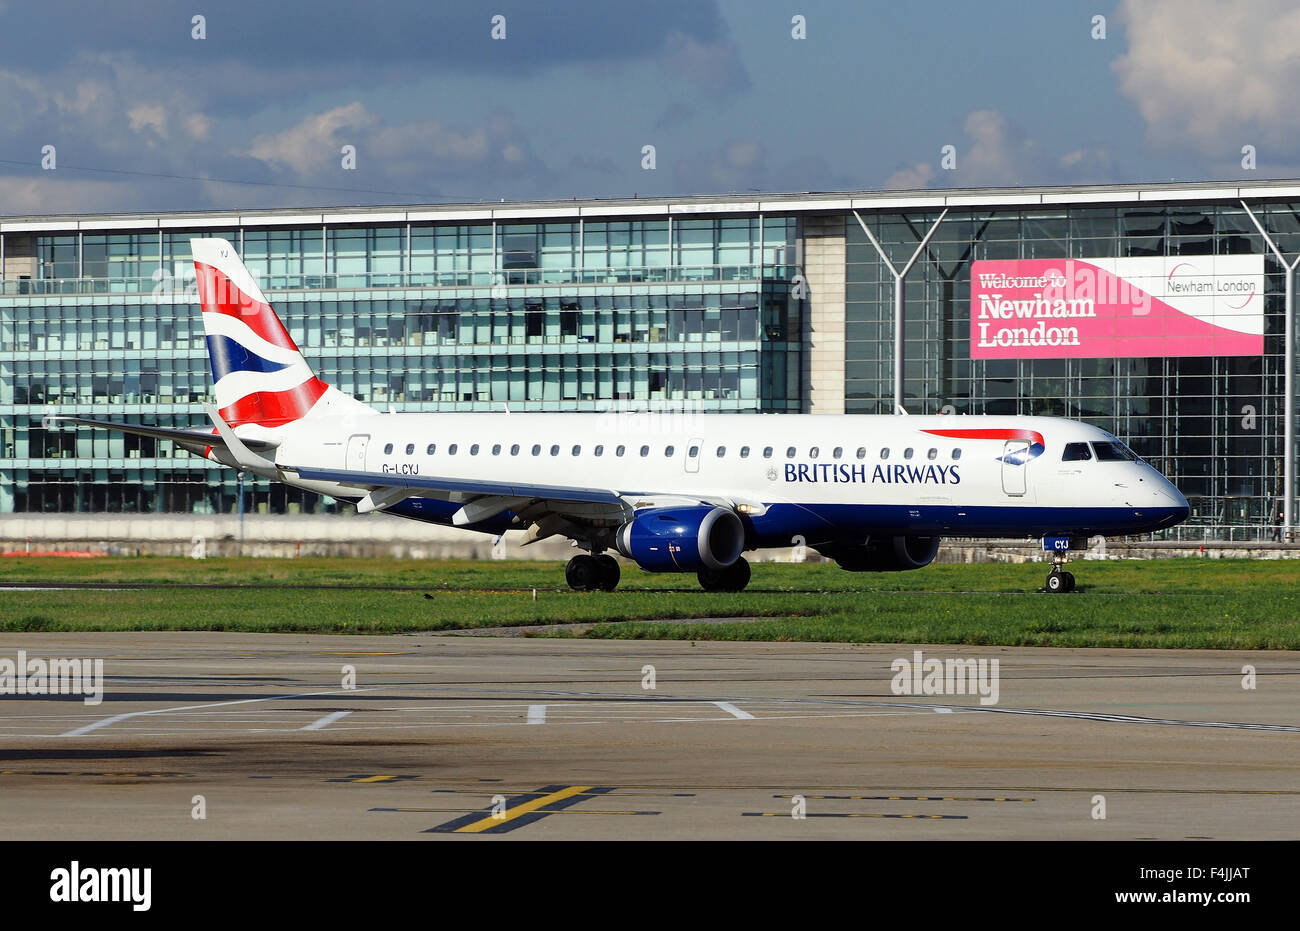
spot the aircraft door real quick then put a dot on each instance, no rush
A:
(693, 454)
(1015, 454)
(356, 455)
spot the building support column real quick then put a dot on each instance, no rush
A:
(1288, 381)
(900, 335)
(821, 263)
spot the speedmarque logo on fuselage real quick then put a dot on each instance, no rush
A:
(816, 473)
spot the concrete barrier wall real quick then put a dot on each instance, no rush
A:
(260, 535)
(381, 535)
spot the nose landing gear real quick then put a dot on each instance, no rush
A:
(1059, 580)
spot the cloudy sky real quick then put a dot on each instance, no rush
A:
(143, 116)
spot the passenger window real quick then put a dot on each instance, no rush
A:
(956, 454)
(907, 453)
(838, 451)
(451, 450)
(767, 452)
(744, 452)
(812, 453)
(722, 451)
(884, 453)
(789, 452)
(514, 449)
(473, 450)
(388, 449)
(862, 452)
(668, 451)
(645, 450)
(433, 448)
(619, 450)
(555, 450)
(599, 451)
(576, 451)
(1075, 452)
(496, 449)
(694, 451)
(410, 449)
(932, 454)
(537, 450)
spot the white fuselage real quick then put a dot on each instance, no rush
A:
(810, 474)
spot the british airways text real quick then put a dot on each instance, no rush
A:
(835, 473)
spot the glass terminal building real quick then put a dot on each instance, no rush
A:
(784, 304)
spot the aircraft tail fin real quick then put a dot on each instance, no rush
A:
(259, 374)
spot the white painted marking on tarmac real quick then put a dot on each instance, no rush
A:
(733, 710)
(326, 721)
(536, 714)
(943, 711)
(105, 722)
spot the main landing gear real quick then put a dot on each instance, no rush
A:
(734, 578)
(592, 573)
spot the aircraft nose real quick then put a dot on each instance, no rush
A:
(1168, 498)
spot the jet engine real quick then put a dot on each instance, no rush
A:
(684, 539)
(883, 554)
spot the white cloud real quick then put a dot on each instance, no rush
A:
(998, 152)
(314, 144)
(1213, 74)
(148, 116)
(417, 155)
(910, 178)
(87, 98)
(198, 126)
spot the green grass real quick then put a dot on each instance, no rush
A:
(1204, 603)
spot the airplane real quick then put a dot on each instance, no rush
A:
(680, 493)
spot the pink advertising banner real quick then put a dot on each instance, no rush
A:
(1189, 305)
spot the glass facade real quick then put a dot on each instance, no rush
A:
(703, 303)
(1213, 425)
(558, 315)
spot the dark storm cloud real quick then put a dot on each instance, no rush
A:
(339, 36)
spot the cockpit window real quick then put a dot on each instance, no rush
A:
(1076, 452)
(1113, 452)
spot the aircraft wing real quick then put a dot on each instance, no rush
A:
(191, 437)
(572, 493)
(543, 509)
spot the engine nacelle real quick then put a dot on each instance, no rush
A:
(684, 539)
(884, 554)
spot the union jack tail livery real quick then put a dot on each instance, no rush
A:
(260, 377)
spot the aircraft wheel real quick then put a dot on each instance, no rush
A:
(1056, 581)
(734, 578)
(1069, 581)
(583, 573)
(610, 572)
